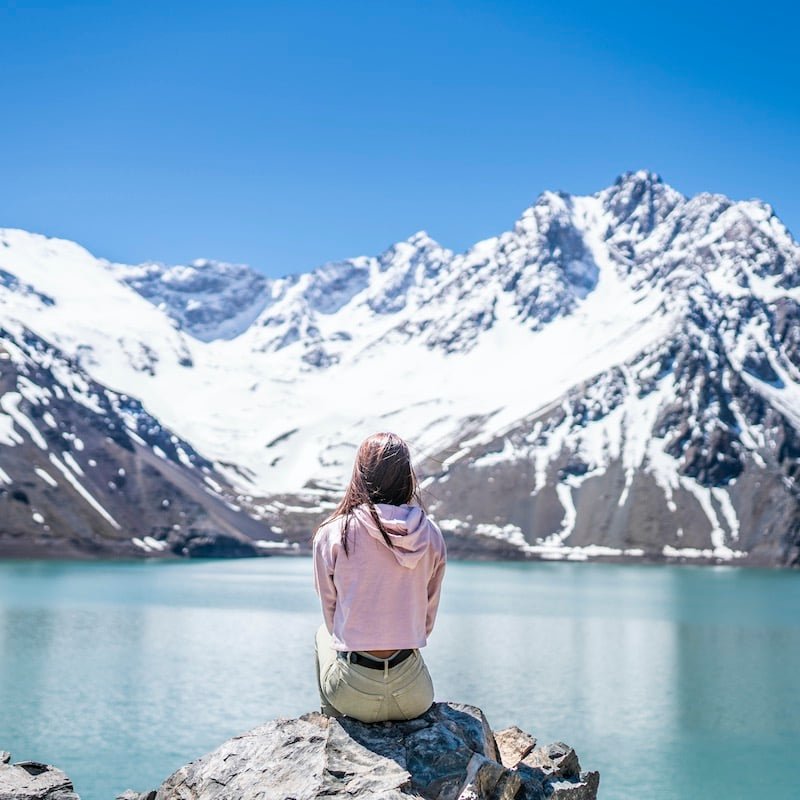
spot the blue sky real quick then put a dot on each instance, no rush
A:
(287, 134)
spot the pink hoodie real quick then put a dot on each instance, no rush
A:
(376, 597)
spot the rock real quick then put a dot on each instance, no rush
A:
(32, 780)
(537, 786)
(486, 778)
(556, 759)
(514, 744)
(554, 772)
(449, 753)
(583, 788)
(210, 544)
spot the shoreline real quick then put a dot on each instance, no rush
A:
(32, 554)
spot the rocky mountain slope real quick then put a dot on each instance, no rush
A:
(616, 376)
(87, 471)
(208, 299)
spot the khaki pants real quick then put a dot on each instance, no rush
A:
(371, 695)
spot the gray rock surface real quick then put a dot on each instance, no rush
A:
(554, 772)
(31, 780)
(514, 744)
(150, 484)
(449, 753)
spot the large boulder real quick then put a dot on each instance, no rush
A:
(449, 753)
(31, 780)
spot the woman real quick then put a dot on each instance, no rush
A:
(378, 567)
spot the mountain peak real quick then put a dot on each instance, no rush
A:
(640, 200)
(421, 240)
(638, 177)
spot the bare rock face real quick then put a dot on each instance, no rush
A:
(30, 780)
(514, 744)
(449, 753)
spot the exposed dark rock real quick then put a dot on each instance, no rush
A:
(757, 364)
(210, 544)
(226, 291)
(714, 461)
(575, 466)
(94, 474)
(320, 358)
(787, 329)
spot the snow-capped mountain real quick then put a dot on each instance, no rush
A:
(208, 299)
(86, 470)
(618, 374)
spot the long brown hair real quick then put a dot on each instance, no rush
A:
(382, 473)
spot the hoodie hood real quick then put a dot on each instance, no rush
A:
(408, 528)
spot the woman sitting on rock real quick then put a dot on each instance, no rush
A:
(378, 567)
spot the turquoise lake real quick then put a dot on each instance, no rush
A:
(673, 682)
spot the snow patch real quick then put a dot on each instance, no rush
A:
(72, 463)
(723, 554)
(83, 492)
(9, 402)
(452, 525)
(46, 476)
(155, 544)
(507, 533)
(8, 435)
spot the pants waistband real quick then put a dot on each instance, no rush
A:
(374, 662)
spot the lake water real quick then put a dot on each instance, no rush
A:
(674, 682)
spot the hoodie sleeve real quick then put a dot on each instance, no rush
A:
(435, 587)
(324, 562)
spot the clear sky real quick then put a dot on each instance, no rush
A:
(284, 135)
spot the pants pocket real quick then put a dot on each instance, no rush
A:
(416, 697)
(350, 701)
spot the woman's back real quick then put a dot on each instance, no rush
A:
(377, 596)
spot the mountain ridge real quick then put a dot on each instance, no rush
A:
(685, 309)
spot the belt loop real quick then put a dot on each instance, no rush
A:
(386, 670)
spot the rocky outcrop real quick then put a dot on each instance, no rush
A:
(449, 753)
(30, 780)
